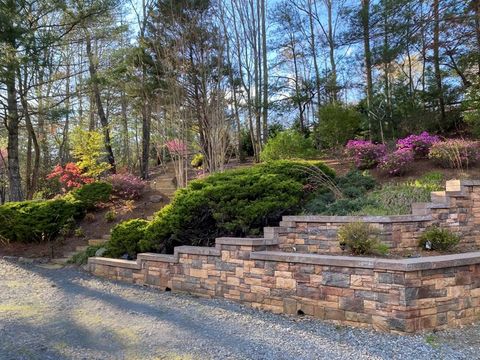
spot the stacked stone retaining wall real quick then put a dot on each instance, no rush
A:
(284, 272)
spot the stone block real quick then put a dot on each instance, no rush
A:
(283, 283)
(336, 279)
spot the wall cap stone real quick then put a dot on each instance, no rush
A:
(245, 241)
(349, 219)
(157, 257)
(412, 264)
(196, 250)
(127, 264)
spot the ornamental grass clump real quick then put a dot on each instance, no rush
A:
(419, 145)
(436, 238)
(455, 153)
(365, 154)
(397, 162)
(361, 238)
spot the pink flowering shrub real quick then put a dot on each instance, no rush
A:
(397, 162)
(419, 144)
(365, 154)
(126, 186)
(455, 153)
(70, 176)
(176, 147)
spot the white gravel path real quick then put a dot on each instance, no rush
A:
(68, 314)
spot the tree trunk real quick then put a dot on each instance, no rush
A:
(314, 50)
(436, 60)
(13, 121)
(98, 100)
(365, 17)
(331, 46)
(265, 73)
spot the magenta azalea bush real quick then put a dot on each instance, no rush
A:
(455, 153)
(365, 154)
(419, 144)
(397, 162)
(126, 186)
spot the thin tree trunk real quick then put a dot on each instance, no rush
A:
(314, 50)
(265, 72)
(98, 100)
(436, 60)
(331, 48)
(365, 15)
(13, 121)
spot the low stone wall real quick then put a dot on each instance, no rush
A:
(284, 273)
(456, 208)
(389, 295)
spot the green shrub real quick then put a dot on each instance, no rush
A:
(337, 125)
(125, 238)
(353, 188)
(81, 258)
(297, 170)
(397, 198)
(288, 144)
(197, 161)
(36, 221)
(361, 239)
(90, 195)
(110, 216)
(436, 238)
(237, 203)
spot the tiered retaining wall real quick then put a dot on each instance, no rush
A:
(457, 208)
(405, 295)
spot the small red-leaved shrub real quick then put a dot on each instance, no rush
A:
(127, 186)
(70, 176)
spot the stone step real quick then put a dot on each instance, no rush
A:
(439, 197)
(271, 232)
(164, 181)
(81, 248)
(97, 242)
(60, 261)
(420, 209)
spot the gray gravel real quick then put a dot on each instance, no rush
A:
(68, 314)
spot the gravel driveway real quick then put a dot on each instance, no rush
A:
(68, 314)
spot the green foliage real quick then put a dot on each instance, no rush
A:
(79, 232)
(436, 238)
(90, 195)
(81, 258)
(471, 107)
(296, 170)
(36, 221)
(237, 202)
(338, 124)
(361, 239)
(110, 216)
(353, 187)
(288, 144)
(397, 199)
(88, 149)
(246, 147)
(197, 161)
(125, 238)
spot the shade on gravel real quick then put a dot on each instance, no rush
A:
(48, 313)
